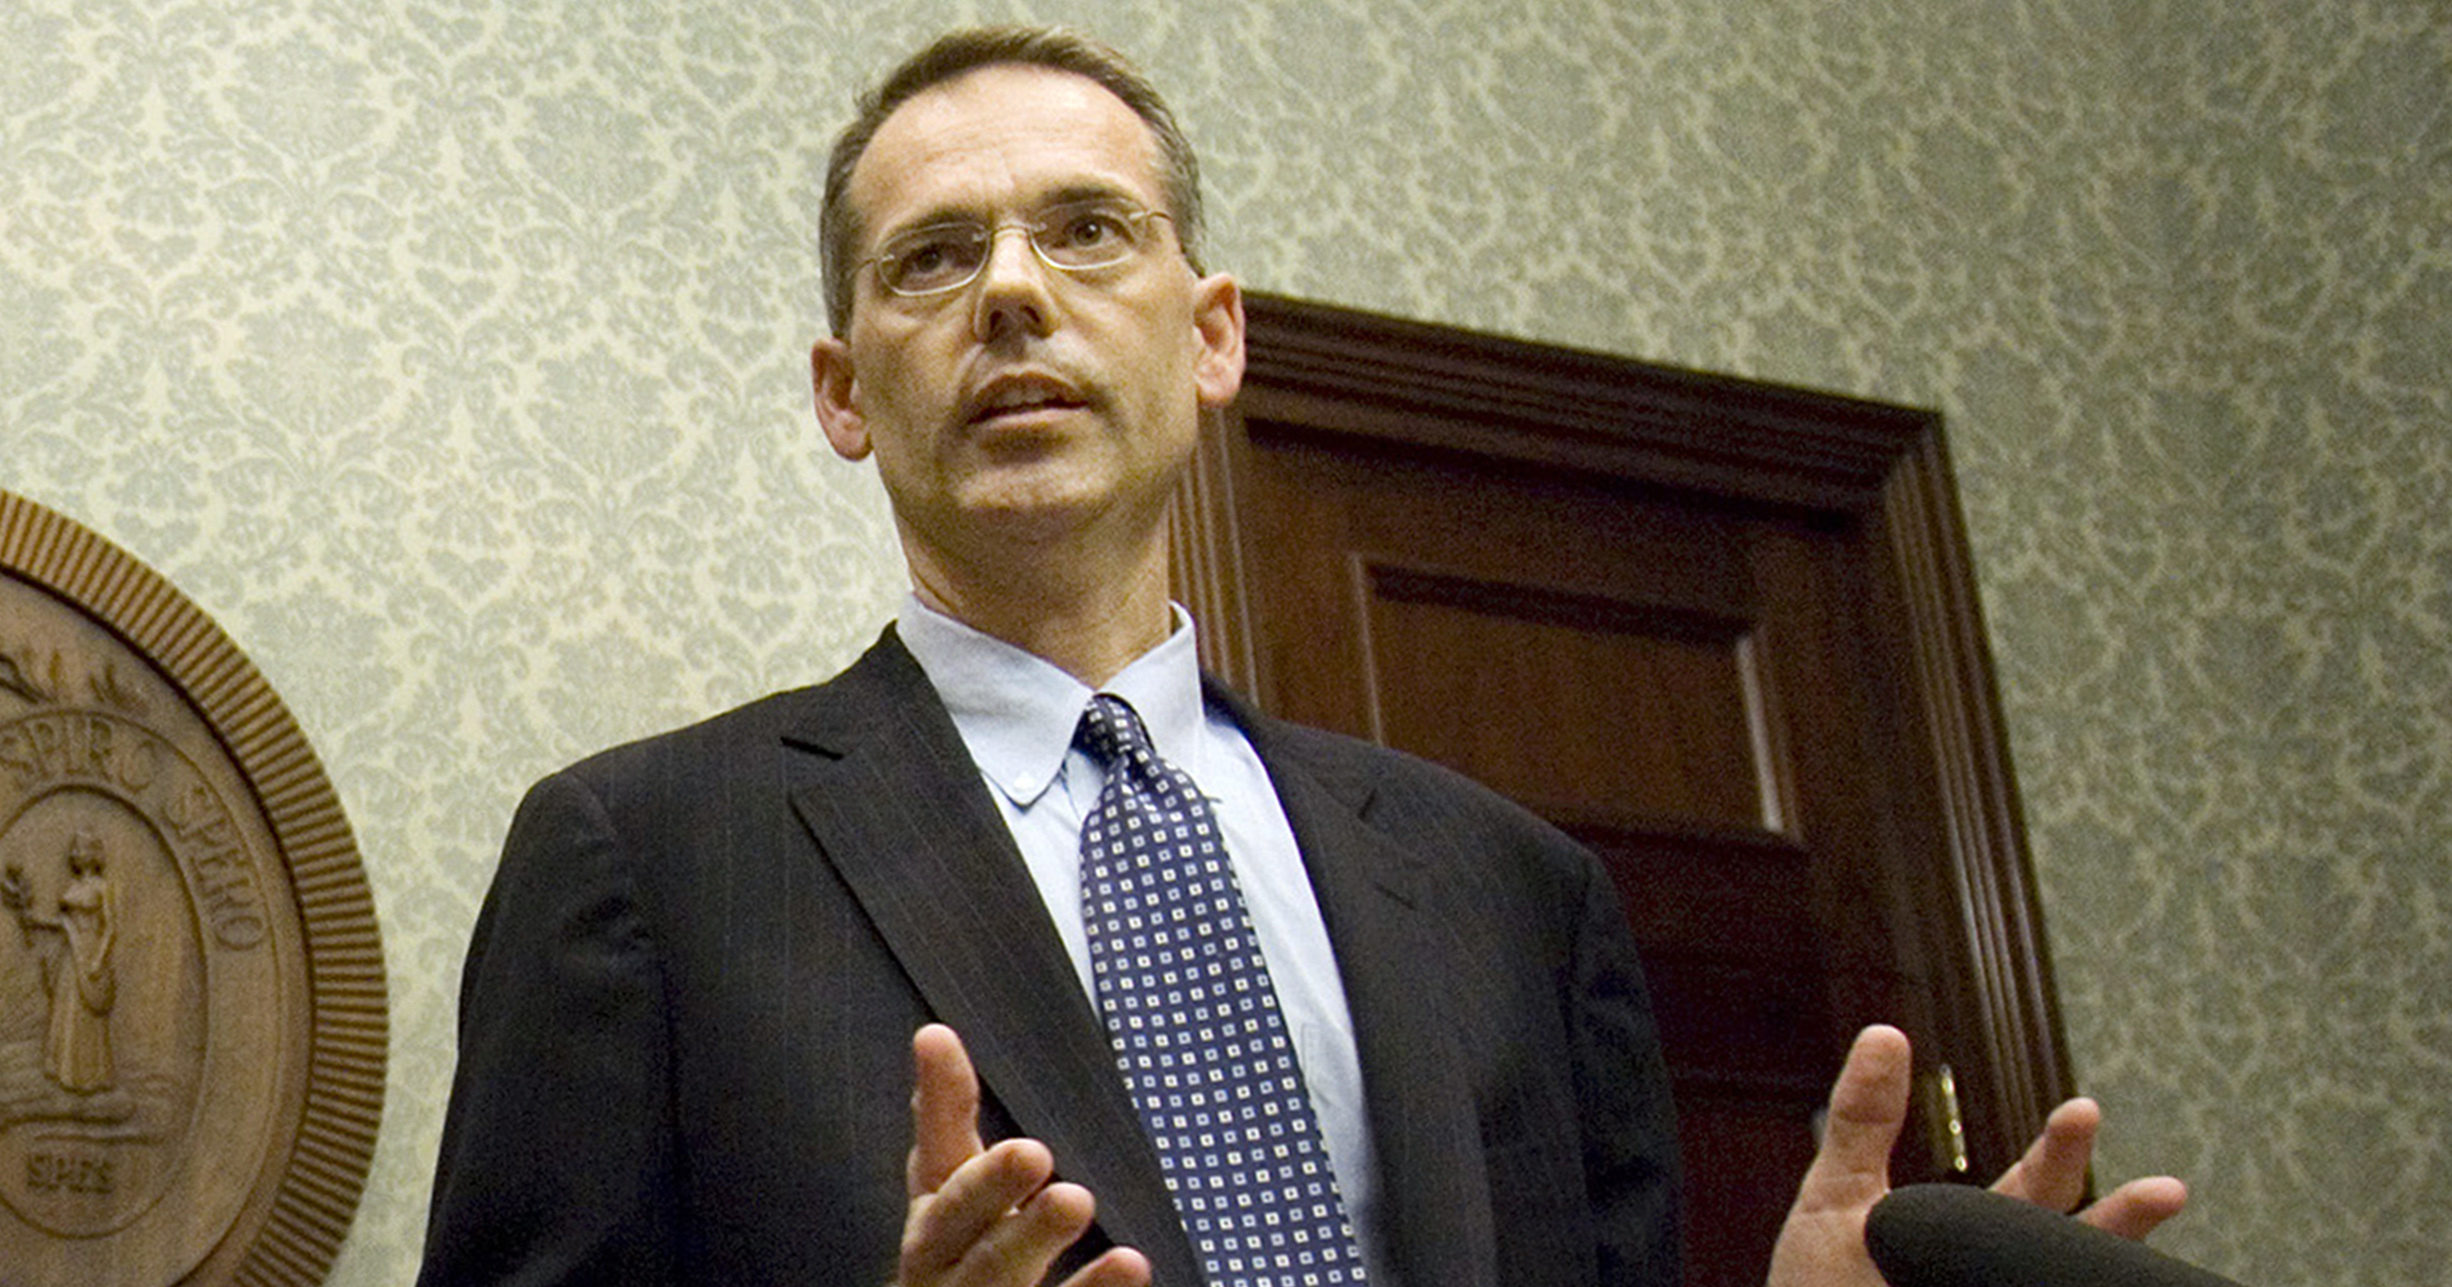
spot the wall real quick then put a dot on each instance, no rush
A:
(449, 354)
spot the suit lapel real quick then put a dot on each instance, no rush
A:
(895, 803)
(1435, 1199)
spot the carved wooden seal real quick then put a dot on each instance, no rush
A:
(192, 1014)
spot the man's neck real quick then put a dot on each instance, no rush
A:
(1088, 623)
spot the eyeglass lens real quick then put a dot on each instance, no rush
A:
(1074, 237)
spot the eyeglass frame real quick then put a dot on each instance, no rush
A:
(1128, 211)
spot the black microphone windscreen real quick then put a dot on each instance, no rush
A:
(1952, 1235)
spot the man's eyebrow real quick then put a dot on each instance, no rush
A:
(932, 217)
(1066, 194)
(1090, 190)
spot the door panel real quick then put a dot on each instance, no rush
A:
(1720, 634)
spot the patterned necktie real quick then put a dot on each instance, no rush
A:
(1193, 1017)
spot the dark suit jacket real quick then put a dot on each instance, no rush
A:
(687, 1010)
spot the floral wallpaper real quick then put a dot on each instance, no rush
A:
(450, 353)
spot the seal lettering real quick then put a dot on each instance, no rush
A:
(75, 746)
(72, 1172)
(225, 880)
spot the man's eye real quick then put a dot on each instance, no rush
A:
(933, 260)
(1089, 236)
(1092, 230)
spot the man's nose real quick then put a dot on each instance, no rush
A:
(1012, 288)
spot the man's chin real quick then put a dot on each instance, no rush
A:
(1038, 520)
(1046, 511)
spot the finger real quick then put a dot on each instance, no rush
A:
(1868, 1105)
(2052, 1173)
(944, 1108)
(2134, 1209)
(958, 1222)
(970, 1232)
(1020, 1248)
(1115, 1267)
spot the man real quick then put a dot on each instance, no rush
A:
(827, 989)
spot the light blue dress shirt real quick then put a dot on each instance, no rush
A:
(1016, 714)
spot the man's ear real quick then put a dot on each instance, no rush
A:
(1217, 317)
(838, 399)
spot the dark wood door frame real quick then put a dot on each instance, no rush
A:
(1342, 375)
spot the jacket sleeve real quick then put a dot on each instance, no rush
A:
(558, 1157)
(1622, 1090)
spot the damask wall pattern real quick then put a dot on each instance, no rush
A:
(450, 353)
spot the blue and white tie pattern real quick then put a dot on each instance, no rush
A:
(1194, 1020)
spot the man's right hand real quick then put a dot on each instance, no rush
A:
(987, 1217)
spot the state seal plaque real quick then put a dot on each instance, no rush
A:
(192, 1001)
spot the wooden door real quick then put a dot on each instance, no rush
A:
(1722, 633)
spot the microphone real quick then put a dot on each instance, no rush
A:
(1952, 1235)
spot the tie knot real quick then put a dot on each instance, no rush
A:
(1112, 733)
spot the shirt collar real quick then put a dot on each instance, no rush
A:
(1016, 712)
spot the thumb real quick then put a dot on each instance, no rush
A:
(1868, 1106)
(944, 1108)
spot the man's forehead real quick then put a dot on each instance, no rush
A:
(1001, 131)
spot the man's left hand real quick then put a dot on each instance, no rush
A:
(1823, 1242)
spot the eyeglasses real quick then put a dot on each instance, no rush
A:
(1074, 237)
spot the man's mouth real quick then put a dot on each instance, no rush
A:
(1019, 397)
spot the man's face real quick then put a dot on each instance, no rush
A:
(1030, 405)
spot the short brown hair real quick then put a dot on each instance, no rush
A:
(968, 49)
